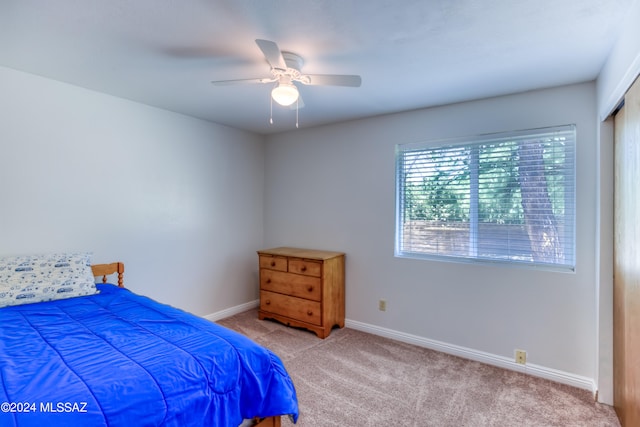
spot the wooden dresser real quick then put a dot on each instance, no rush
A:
(302, 288)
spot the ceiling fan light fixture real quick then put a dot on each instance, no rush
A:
(285, 94)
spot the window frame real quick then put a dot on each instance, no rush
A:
(477, 141)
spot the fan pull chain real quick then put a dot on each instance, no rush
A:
(271, 112)
(297, 108)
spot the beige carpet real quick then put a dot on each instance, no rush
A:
(356, 379)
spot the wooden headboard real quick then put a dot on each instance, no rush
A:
(105, 270)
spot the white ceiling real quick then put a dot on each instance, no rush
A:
(410, 53)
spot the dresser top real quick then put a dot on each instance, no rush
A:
(301, 253)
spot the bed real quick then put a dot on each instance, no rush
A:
(115, 358)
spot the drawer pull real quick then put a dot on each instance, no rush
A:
(268, 280)
(267, 302)
(304, 268)
(310, 288)
(309, 313)
(273, 263)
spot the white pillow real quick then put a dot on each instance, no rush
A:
(35, 278)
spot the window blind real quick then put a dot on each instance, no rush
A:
(507, 197)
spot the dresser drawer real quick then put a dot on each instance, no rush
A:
(291, 284)
(273, 262)
(295, 308)
(306, 267)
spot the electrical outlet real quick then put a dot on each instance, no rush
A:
(382, 305)
(521, 357)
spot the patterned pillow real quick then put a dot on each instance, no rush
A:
(35, 278)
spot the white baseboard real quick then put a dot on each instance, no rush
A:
(467, 353)
(478, 356)
(233, 310)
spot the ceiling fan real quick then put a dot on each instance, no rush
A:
(285, 70)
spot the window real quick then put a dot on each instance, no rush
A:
(505, 197)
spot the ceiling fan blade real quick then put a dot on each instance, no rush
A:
(331, 80)
(273, 54)
(241, 81)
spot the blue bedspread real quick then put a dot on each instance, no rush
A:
(121, 359)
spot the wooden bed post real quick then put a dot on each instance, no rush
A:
(120, 273)
(269, 422)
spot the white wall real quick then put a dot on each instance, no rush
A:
(622, 66)
(332, 187)
(179, 200)
(604, 262)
